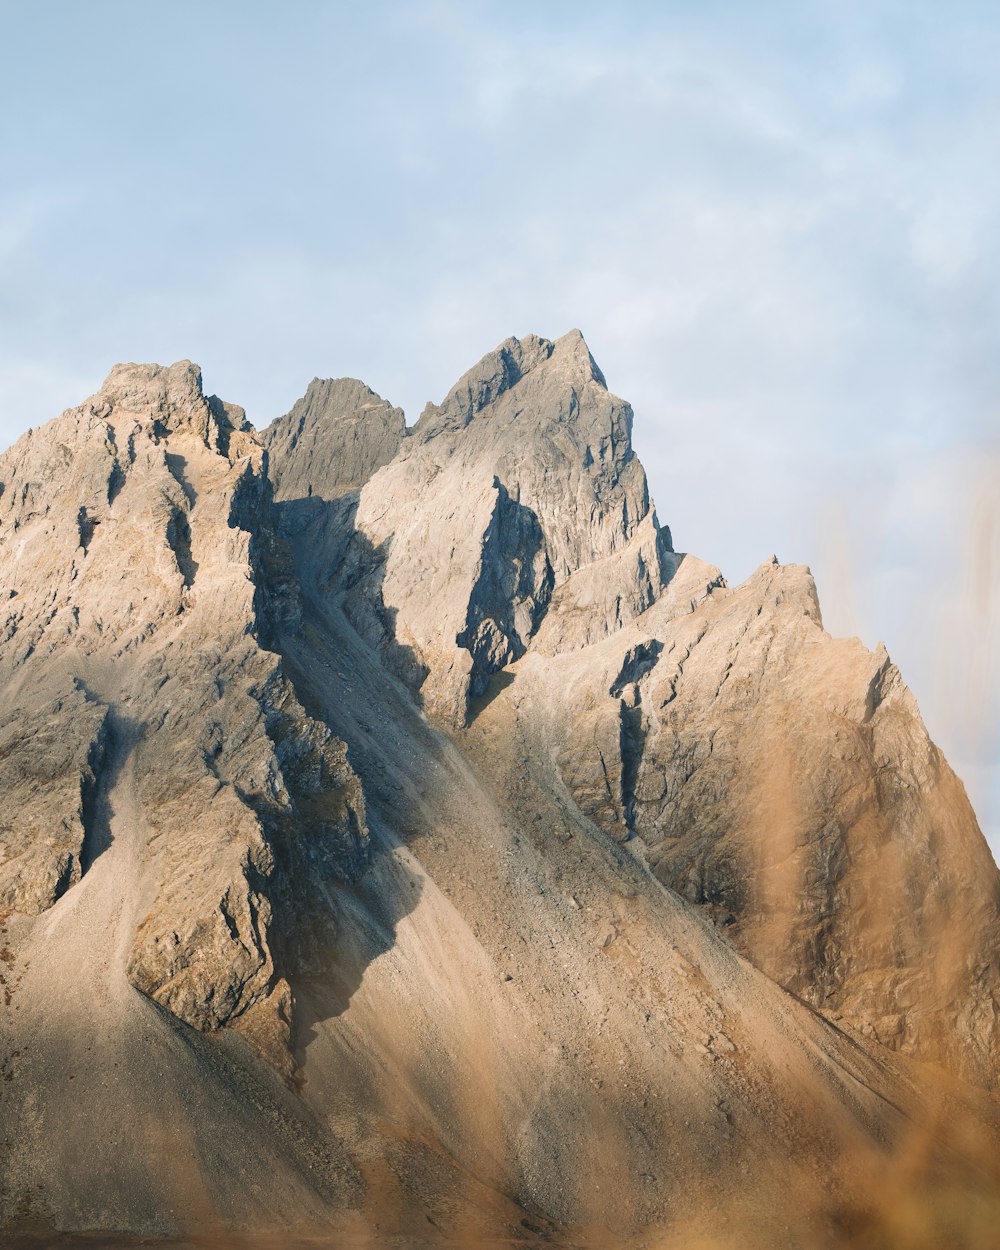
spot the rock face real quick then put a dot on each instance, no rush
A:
(783, 781)
(521, 478)
(519, 847)
(133, 535)
(332, 441)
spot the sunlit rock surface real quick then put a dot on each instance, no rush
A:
(397, 832)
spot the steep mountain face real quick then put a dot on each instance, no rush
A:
(397, 829)
(780, 779)
(783, 781)
(131, 551)
(523, 476)
(332, 441)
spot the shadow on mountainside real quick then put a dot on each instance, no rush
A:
(118, 739)
(368, 915)
(341, 655)
(336, 563)
(349, 670)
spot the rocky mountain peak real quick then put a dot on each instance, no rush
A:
(141, 575)
(573, 354)
(485, 382)
(567, 362)
(518, 846)
(332, 441)
(154, 389)
(167, 398)
(523, 477)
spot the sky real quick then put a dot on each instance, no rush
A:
(777, 224)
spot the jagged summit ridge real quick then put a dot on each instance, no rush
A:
(141, 582)
(419, 766)
(169, 395)
(154, 390)
(522, 477)
(513, 533)
(503, 368)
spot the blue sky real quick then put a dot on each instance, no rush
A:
(777, 225)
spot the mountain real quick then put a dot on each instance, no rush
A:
(398, 831)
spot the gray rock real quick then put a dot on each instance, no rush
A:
(773, 773)
(783, 781)
(523, 476)
(335, 437)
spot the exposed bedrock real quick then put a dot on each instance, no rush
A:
(783, 781)
(522, 477)
(154, 614)
(393, 820)
(780, 780)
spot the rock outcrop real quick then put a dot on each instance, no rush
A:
(332, 441)
(397, 830)
(781, 780)
(133, 536)
(520, 478)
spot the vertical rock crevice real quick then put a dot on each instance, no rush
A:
(511, 593)
(178, 536)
